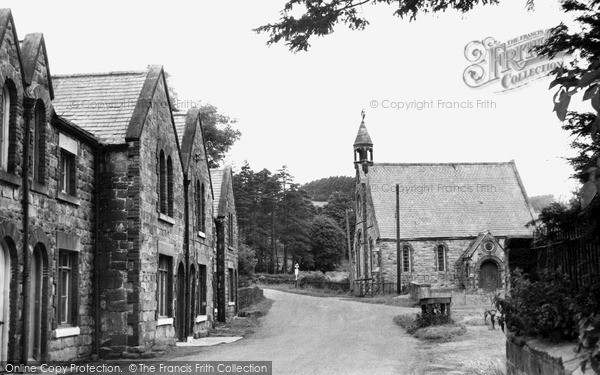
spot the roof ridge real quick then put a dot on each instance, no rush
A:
(101, 74)
(446, 163)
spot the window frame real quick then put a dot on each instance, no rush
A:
(67, 183)
(5, 128)
(406, 259)
(162, 183)
(230, 232)
(441, 249)
(38, 148)
(202, 289)
(164, 287)
(231, 295)
(170, 177)
(67, 295)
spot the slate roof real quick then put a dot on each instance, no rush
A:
(449, 200)
(216, 176)
(101, 103)
(362, 137)
(180, 121)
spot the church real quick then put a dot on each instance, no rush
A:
(456, 224)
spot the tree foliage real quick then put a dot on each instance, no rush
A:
(322, 189)
(219, 135)
(581, 76)
(327, 243)
(319, 17)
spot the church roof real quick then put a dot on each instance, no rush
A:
(450, 199)
(101, 103)
(362, 137)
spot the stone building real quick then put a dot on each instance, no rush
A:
(48, 174)
(108, 241)
(226, 243)
(457, 221)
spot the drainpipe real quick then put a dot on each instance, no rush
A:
(28, 114)
(98, 154)
(186, 246)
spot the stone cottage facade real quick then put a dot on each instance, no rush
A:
(227, 243)
(456, 221)
(107, 232)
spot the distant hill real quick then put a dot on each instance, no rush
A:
(321, 189)
(538, 202)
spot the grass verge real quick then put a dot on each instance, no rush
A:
(442, 332)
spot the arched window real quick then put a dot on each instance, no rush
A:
(357, 253)
(162, 183)
(199, 208)
(37, 154)
(406, 259)
(441, 258)
(4, 123)
(170, 186)
(203, 211)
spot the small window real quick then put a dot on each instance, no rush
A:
(4, 123)
(67, 288)
(203, 212)
(489, 246)
(202, 289)
(441, 258)
(231, 286)
(38, 149)
(67, 173)
(406, 259)
(200, 207)
(162, 183)
(164, 286)
(230, 238)
(170, 186)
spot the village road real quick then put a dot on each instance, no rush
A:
(312, 335)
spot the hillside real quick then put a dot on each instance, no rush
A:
(322, 189)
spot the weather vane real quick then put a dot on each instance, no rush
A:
(362, 113)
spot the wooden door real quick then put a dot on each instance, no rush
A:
(4, 302)
(489, 276)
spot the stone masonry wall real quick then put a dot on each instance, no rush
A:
(157, 232)
(424, 261)
(202, 244)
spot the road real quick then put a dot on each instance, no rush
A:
(312, 335)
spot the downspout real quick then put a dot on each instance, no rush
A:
(98, 154)
(28, 104)
(186, 246)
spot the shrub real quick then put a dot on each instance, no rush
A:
(547, 305)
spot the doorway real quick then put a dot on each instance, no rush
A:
(5, 276)
(489, 276)
(181, 303)
(36, 304)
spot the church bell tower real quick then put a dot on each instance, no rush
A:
(363, 147)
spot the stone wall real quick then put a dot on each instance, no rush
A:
(424, 261)
(249, 296)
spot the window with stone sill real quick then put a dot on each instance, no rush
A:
(230, 281)
(67, 181)
(67, 288)
(441, 258)
(8, 110)
(38, 149)
(405, 258)
(202, 289)
(230, 232)
(164, 286)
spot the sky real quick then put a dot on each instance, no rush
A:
(303, 110)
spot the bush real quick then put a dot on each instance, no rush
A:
(546, 305)
(542, 305)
